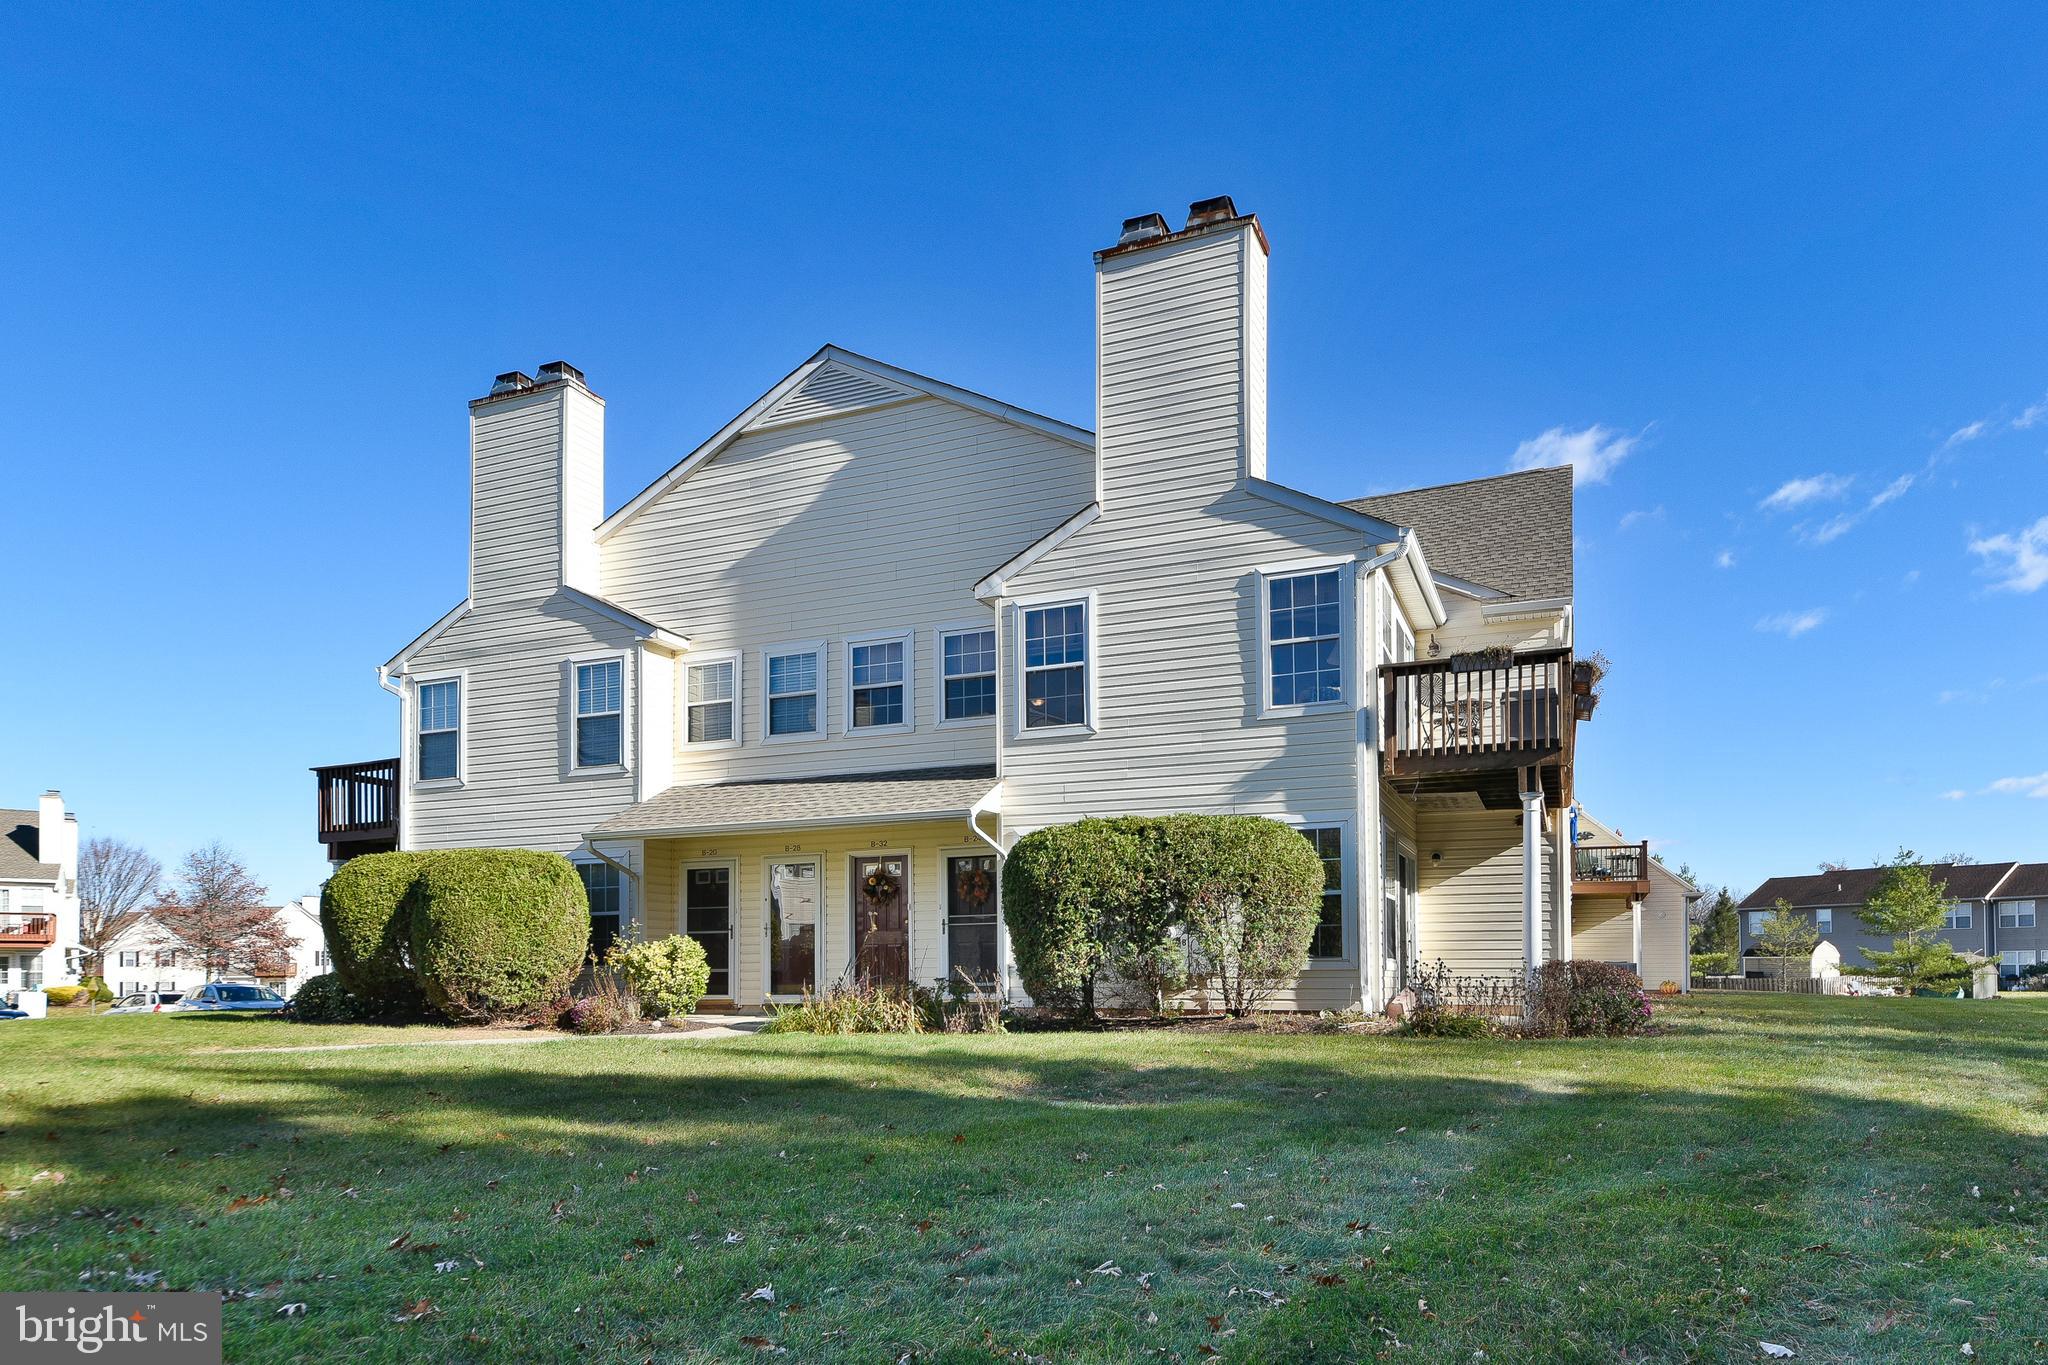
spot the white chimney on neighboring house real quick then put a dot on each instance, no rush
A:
(536, 486)
(1180, 406)
(57, 838)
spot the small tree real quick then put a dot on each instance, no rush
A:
(1720, 928)
(115, 879)
(1786, 934)
(1911, 906)
(217, 917)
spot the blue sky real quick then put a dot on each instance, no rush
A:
(1776, 276)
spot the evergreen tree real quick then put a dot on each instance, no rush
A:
(1910, 905)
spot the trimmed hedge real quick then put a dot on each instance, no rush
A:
(669, 975)
(368, 932)
(1230, 901)
(60, 996)
(1586, 998)
(496, 933)
(326, 999)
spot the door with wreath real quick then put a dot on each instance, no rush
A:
(881, 920)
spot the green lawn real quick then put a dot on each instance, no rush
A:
(1859, 1180)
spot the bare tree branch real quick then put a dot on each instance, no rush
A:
(115, 879)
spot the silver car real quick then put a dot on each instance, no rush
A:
(233, 997)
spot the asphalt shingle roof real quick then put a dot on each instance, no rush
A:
(845, 799)
(1511, 533)
(2028, 880)
(20, 845)
(1853, 885)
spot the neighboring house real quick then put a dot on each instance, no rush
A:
(144, 955)
(1628, 907)
(1997, 910)
(798, 697)
(38, 897)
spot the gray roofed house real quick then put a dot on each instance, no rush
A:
(21, 848)
(1511, 533)
(1993, 910)
(38, 897)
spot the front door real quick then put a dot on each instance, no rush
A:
(707, 917)
(971, 920)
(881, 920)
(793, 927)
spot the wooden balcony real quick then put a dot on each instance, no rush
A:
(1457, 725)
(1611, 870)
(358, 807)
(20, 930)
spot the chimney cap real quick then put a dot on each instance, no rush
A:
(1143, 228)
(512, 381)
(560, 369)
(1218, 210)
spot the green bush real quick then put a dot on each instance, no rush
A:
(326, 999)
(1250, 890)
(1446, 1023)
(1580, 999)
(857, 1008)
(670, 975)
(60, 996)
(1061, 885)
(1715, 964)
(100, 994)
(496, 933)
(362, 913)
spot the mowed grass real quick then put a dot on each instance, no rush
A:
(1857, 1180)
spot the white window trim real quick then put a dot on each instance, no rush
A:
(1829, 926)
(908, 639)
(2012, 907)
(570, 767)
(629, 919)
(1346, 607)
(712, 660)
(946, 855)
(818, 975)
(939, 674)
(1346, 825)
(463, 699)
(1966, 909)
(818, 649)
(1090, 666)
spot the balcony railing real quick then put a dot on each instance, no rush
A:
(1611, 870)
(1452, 715)
(358, 807)
(20, 929)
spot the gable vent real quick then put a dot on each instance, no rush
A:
(831, 390)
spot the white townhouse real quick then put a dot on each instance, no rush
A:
(38, 897)
(144, 955)
(798, 696)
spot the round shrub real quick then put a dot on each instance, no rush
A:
(362, 913)
(1062, 886)
(1250, 891)
(497, 933)
(670, 975)
(98, 988)
(326, 999)
(60, 996)
(1586, 998)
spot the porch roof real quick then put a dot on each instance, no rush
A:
(774, 803)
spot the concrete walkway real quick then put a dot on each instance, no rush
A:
(703, 1027)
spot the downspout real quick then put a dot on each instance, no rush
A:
(639, 901)
(404, 752)
(990, 800)
(1532, 883)
(1373, 951)
(1635, 915)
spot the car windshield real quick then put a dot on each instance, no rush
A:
(242, 993)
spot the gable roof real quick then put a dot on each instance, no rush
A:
(1511, 532)
(2028, 880)
(848, 798)
(633, 621)
(21, 841)
(1851, 886)
(836, 381)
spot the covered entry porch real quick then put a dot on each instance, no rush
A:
(795, 886)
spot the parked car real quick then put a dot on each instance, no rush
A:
(146, 1002)
(6, 1013)
(234, 997)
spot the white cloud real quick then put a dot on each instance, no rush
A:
(1962, 435)
(1593, 453)
(1910, 577)
(2020, 558)
(1835, 528)
(1725, 560)
(1813, 488)
(1642, 514)
(2035, 786)
(1954, 795)
(2035, 414)
(1890, 492)
(1793, 624)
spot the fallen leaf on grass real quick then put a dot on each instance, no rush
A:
(444, 1267)
(396, 1242)
(763, 1344)
(240, 1202)
(1107, 1268)
(1775, 1351)
(765, 1294)
(291, 1310)
(413, 1312)
(1326, 1281)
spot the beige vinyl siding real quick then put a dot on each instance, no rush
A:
(869, 522)
(924, 844)
(515, 792)
(1468, 629)
(1604, 931)
(1471, 914)
(1666, 935)
(515, 476)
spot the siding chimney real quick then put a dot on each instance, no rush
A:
(536, 485)
(57, 837)
(1181, 374)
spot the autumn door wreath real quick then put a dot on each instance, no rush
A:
(878, 885)
(973, 885)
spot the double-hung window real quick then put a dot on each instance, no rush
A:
(601, 885)
(1328, 842)
(1958, 916)
(878, 686)
(712, 711)
(1824, 921)
(793, 692)
(2016, 915)
(129, 959)
(440, 730)
(600, 713)
(1055, 665)
(1756, 922)
(1305, 638)
(967, 666)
